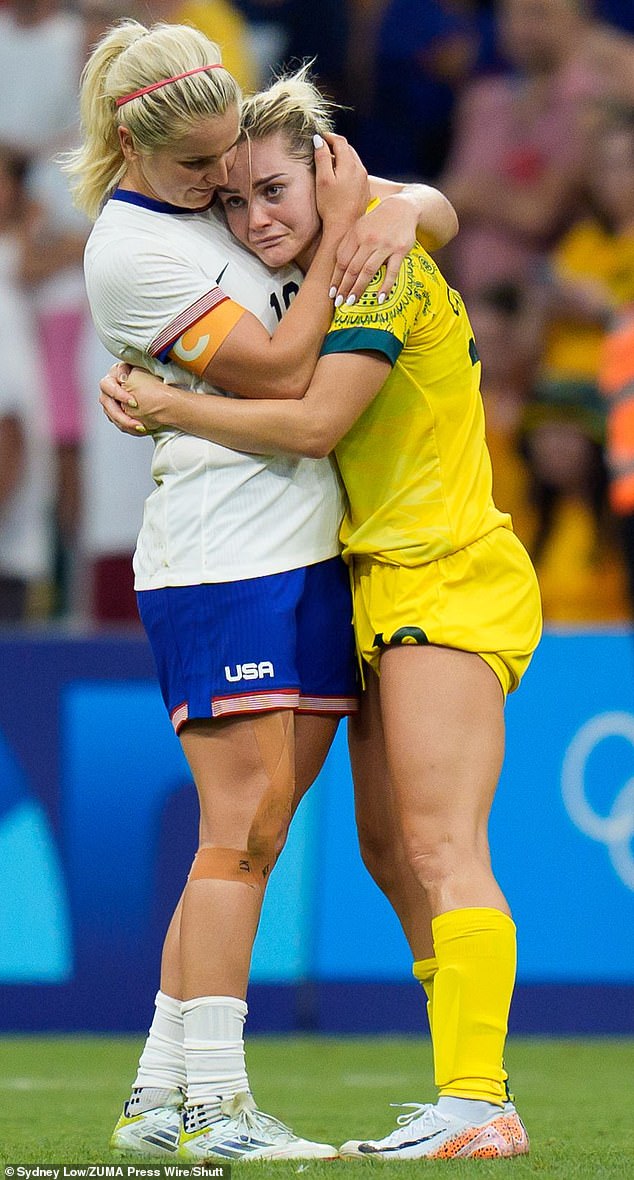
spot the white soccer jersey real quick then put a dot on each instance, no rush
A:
(215, 515)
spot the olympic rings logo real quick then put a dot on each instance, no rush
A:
(616, 829)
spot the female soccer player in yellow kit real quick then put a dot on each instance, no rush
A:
(232, 547)
(446, 612)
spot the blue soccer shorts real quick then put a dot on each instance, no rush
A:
(284, 641)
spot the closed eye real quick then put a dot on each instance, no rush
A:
(195, 164)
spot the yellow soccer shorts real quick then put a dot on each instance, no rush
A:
(483, 598)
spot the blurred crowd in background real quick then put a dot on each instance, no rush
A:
(521, 111)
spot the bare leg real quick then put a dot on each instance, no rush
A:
(244, 772)
(171, 979)
(380, 837)
(444, 730)
(314, 735)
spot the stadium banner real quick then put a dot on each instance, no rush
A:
(98, 829)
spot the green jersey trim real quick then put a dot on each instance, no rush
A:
(362, 340)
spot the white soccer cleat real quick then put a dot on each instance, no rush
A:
(153, 1132)
(237, 1130)
(425, 1133)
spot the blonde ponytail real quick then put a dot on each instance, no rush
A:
(128, 58)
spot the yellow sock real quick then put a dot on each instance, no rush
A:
(476, 956)
(424, 971)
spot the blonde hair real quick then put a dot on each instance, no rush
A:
(130, 57)
(292, 105)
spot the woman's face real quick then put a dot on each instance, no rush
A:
(269, 203)
(188, 173)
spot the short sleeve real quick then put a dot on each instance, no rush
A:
(147, 300)
(384, 328)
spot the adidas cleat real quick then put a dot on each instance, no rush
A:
(425, 1133)
(153, 1132)
(237, 1130)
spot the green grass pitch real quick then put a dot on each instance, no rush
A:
(60, 1097)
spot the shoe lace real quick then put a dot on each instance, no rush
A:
(424, 1113)
(251, 1121)
(417, 1110)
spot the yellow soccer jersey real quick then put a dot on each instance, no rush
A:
(415, 465)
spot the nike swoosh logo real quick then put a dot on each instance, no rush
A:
(219, 279)
(399, 1147)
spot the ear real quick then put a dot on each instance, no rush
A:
(126, 143)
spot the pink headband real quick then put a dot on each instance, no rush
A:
(119, 102)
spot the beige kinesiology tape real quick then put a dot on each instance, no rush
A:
(252, 865)
(230, 864)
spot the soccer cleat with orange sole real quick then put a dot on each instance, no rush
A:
(425, 1133)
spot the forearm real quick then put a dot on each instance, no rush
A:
(262, 427)
(294, 347)
(341, 193)
(436, 218)
(253, 364)
(342, 387)
(405, 214)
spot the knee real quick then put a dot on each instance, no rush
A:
(434, 861)
(260, 834)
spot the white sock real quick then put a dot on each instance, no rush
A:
(151, 1097)
(162, 1062)
(472, 1110)
(214, 1049)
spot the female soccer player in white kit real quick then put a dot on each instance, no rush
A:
(241, 588)
(446, 612)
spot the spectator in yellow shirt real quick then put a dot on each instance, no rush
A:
(591, 276)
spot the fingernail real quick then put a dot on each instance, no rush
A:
(382, 297)
(134, 405)
(332, 292)
(338, 300)
(141, 429)
(318, 141)
(351, 299)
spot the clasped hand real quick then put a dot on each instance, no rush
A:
(134, 400)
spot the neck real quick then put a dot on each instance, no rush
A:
(134, 181)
